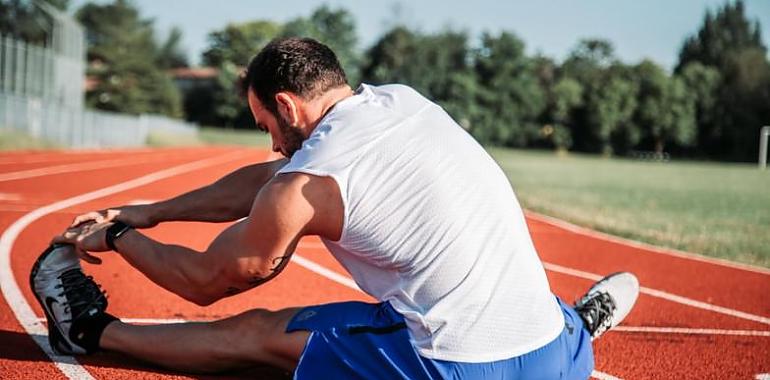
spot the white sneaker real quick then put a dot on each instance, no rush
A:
(608, 302)
(65, 294)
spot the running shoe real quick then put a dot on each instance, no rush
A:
(66, 295)
(608, 302)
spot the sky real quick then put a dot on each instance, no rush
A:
(653, 29)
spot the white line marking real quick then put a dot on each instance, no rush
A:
(762, 376)
(21, 309)
(141, 202)
(328, 273)
(665, 295)
(689, 331)
(78, 167)
(15, 208)
(603, 376)
(10, 197)
(648, 248)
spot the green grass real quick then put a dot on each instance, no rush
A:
(219, 136)
(719, 210)
(162, 139)
(15, 140)
(211, 136)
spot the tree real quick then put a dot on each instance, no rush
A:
(229, 50)
(722, 34)
(24, 21)
(602, 120)
(391, 59)
(703, 83)
(123, 55)
(509, 93)
(666, 111)
(564, 96)
(610, 107)
(238, 43)
(335, 28)
(170, 54)
(731, 44)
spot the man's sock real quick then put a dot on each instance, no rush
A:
(86, 332)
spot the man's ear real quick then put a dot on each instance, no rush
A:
(288, 107)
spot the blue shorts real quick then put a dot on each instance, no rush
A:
(357, 340)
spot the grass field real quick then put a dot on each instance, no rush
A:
(719, 210)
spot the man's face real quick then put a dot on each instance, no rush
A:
(286, 139)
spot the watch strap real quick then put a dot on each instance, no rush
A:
(115, 231)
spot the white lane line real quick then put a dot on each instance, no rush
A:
(141, 202)
(10, 197)
(78, 167)
(328, 273)
(665, 295)
(762, 376)
(603, 376)
(10, 289)
(648, 248)
(689, 331)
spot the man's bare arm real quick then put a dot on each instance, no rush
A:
(244, 255)
(229, 198)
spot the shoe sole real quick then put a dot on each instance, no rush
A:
(55, 337)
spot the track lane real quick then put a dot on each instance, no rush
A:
(320, 254)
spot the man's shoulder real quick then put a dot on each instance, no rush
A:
(307, 193)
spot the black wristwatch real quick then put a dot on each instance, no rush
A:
(115, 231)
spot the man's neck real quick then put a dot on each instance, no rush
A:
(319, 107)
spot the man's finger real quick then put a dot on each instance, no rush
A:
(87, 257)
(61, 239)
(91, 216)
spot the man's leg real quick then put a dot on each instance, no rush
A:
(251, 338)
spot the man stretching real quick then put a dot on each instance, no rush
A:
(415, 210)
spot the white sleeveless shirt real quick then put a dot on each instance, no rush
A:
(432, 226)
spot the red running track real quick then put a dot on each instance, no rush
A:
(696, 318)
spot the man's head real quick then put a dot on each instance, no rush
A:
(283, 81)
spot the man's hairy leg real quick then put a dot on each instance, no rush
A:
(248, 339)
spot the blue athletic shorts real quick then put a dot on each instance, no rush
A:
(357, 340)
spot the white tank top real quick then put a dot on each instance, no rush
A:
(432, 226)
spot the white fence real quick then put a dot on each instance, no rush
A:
(80, 128)
(29, 70)
(41, 94)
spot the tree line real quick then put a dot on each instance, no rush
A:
(711, 106)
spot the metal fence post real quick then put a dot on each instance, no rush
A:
(764, 134)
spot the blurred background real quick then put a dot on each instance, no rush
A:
(641, 119)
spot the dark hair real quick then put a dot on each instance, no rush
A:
(302, 66)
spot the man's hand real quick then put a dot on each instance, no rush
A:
(135, 216)
(86, 237)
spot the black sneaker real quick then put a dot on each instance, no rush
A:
(66, 295)
(608, 302)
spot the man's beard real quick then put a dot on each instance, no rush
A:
(292, 136)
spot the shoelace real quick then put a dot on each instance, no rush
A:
(81, 293)
(596, 312)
